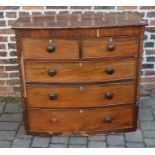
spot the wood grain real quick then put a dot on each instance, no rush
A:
(76, 21)
(79, 33)
(119, 31)
(79, 71)
(97, 48)
(63, 48)
(80, 96)
(73, 121)
(80, 79)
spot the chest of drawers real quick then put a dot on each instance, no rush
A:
(80, 73)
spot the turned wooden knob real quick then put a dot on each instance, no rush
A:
(109, 70)
(53, 96)
(50, 47)
(109, 95)
(111, 45)
(52, 72)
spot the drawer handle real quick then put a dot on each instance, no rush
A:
(108, 119)
(52, 72)
(111, 46)
(51, 47)
(53, 96)
(109, 95)
(109, 70)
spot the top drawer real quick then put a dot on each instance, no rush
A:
(104, 47)
(54, 49)
(123, 46)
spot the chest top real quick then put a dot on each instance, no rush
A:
(73, 21)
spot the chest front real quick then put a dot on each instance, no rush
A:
(80, 73)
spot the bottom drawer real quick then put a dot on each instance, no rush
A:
(80, 120)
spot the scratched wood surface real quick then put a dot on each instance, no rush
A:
(76, 75)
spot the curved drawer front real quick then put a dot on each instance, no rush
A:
(46, 71)
(45, 96)
(69, 120)
(110, 47)
(54, 48)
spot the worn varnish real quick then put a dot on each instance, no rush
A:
(80, 96)
(79, 33)
(88, 70)
(80, 21)
(64, 49)
(93, 48)
(51, 120)
(80, 73)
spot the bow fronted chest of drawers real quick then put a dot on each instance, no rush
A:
(80, 73)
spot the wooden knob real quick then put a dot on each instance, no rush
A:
(109, 95)
(51, 47)
(107, 120)
(53, 96)
(111, 46)
(109, 70)
(52, 72)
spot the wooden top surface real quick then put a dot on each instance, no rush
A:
(98, 20)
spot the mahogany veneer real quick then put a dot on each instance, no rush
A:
(80, 95)
(79, 73)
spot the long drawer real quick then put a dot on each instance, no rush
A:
(67, 96)
(79, 71)
(69, 120)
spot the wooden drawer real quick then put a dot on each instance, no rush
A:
(79, 71)
(37, 48)
(76, 120)
(47, 96)
(79, 33)
(110, 47)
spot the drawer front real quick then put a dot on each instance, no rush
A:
(47, 71)
(69, 120)
(80, 96)
(110, 47)
(54, 49)
(79, 33)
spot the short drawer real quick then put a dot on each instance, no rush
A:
(46, 96)
(82, 71)
(54, 48)
(76, 120)
(110, 47)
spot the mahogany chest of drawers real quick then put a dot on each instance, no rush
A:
(80, 73)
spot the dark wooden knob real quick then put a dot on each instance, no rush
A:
(52, 72)
(109, 70)
(53, 96)
(51, 47)
(109, 95)
(108, 119)
(111, 45)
